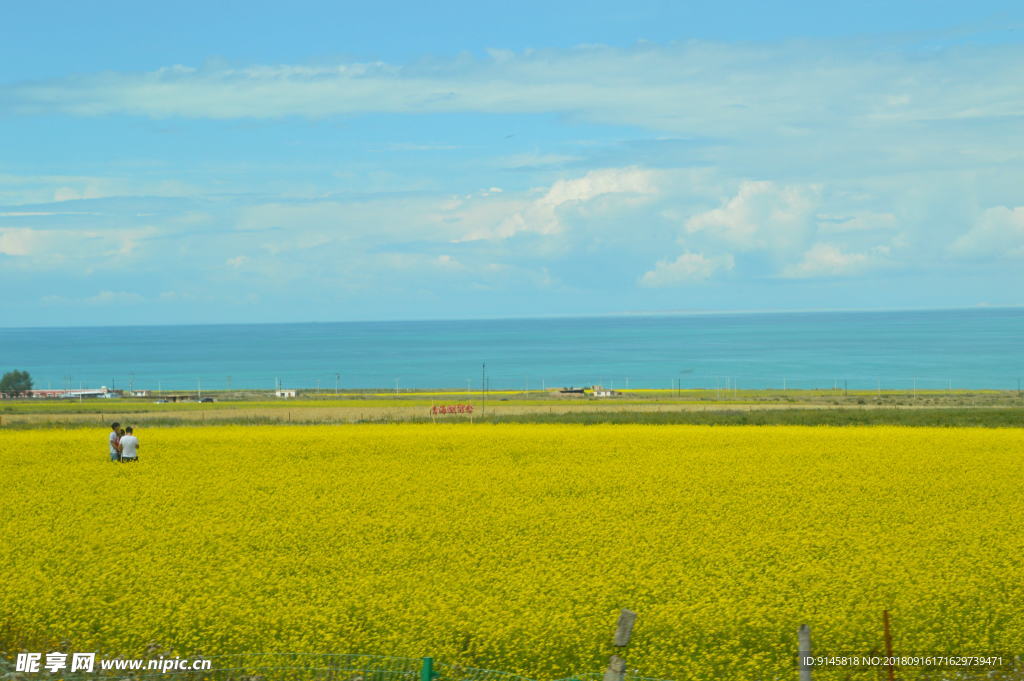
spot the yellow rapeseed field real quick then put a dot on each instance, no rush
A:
(514, 546)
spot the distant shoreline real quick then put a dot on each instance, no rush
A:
(753, 407)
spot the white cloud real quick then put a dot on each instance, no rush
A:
(411, 146)
(420, 261)
(688, 267)
(998, 232)
(699, 87)
(865, 222)
(114, 298)
(103, 298)
(829, 260)
(536, 160)
(376, 218)
(449, 262)
(237, 261)
(47, 248)
(23, 241)
(171, 296)
(78, 193)
(37, 189)
(542, 215)
(39, 213)
(761, 216)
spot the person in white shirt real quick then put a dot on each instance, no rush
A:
(129, 446)
(115, 450)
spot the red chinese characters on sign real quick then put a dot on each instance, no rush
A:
(452, 409)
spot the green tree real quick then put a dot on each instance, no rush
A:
(16, 383)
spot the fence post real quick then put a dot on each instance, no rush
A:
(624, 628)
(427, 672)
(803, 634)
(888, 646)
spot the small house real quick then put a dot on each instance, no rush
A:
(286, 393)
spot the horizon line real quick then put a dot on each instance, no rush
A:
(598, 315)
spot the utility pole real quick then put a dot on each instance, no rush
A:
(483, 388)
(337, 383)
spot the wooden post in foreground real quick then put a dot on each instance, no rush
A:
(888, 646)
(803, 634)
(617, 665)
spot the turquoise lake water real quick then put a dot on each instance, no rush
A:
(977, 348)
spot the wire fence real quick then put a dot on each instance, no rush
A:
(595, 676)
(447, 671)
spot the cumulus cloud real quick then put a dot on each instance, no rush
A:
(761, 216)
(543, 214)
(688, 267)
(998, 232)
(829, 260)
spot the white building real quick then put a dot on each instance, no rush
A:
(601, 391)
(281, 392)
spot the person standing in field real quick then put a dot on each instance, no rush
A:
(129, 446)
(115, 442)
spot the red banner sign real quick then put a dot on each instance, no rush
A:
(452, 409)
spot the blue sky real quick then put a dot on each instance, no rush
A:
(202, 162)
